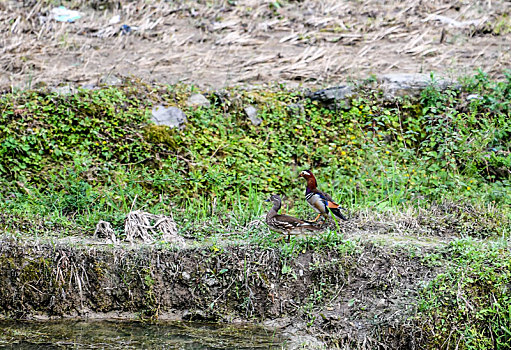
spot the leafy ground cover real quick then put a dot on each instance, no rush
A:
(440, 162)
(77, 157)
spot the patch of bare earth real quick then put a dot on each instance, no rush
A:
(218, 43)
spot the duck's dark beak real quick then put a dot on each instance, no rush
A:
(267, 200)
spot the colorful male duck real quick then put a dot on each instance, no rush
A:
(285, 223)
(320, 201)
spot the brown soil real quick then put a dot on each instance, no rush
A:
(221, 42)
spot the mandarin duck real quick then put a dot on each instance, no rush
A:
(285, 223)
(320, 201)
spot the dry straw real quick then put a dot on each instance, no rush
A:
(142, 226)
(210, 43)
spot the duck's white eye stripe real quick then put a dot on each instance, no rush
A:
(306, 173)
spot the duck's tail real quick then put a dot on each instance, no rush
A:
(337, 213)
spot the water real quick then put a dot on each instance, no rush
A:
(110, 334)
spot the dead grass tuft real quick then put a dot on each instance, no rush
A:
(145, 227)
(150, 227)
(446, 219)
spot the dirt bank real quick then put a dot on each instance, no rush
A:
(361, 294)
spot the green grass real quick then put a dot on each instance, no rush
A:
(67, 162)
(79, 158)
(469, 305)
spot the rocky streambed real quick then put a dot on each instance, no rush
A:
(129, 334)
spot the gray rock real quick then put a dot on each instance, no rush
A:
(251, 113)
(64, 90)
(110, 79)
(172, 116)
(198, 100)
(400, 84)
(474, 97)
(334, 97)
(89, 86)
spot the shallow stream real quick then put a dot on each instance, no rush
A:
(114, 334)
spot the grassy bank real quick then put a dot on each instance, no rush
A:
(80, 157)
(468, 306)
(439, 163)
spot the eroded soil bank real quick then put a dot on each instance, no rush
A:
(358, 294)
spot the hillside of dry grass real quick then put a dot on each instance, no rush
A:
(223, 43)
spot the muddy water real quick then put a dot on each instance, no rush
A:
(109, 334)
